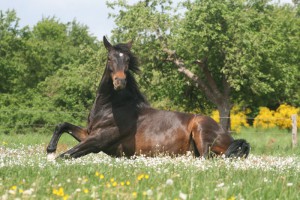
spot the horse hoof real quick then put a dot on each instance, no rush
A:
(50, 150)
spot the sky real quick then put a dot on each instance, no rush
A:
(93, 13)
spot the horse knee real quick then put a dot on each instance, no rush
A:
(60, 127)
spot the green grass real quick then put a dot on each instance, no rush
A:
(271, 172)
(269, 141)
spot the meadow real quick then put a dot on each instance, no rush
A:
(270, 172)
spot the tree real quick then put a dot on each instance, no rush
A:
(73, 87)
(11, 48)
(48, 73)
(229, 50)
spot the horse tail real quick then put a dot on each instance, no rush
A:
(238, 149)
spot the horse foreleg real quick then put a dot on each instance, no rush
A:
(79, 150)
(77, 132)
(92, 144)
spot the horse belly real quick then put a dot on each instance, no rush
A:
(171, 142)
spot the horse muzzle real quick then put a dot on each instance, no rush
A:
(119, 83)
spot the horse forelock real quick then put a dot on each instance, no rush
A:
(133, 62)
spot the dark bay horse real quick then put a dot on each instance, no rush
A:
(121, 121)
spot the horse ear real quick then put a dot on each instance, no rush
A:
(129, 44)
(106, 43)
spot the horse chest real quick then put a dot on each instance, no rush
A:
(125, 118)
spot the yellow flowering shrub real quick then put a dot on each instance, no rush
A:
(237, 118)
(283, 116)
(215, 115)
(264, 119)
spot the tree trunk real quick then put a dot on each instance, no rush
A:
(224, 114)
(218, 95)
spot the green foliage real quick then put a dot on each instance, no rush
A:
(251, 44)
(50, 74)
(146, 23)
(11, 48)
(248, 42)
(74, 87)
(31, 112)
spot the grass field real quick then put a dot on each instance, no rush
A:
(271, 172)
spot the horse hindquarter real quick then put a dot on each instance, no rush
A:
(209, 137)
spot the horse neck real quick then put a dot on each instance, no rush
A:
(106, 94)
(101, 101)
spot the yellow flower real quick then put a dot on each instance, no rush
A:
(85, 190)
(101, 176)
(140, 177)
(97, 174)
(108, 185)
(146, 176)
(134, 194)
(54, 191)
(115, 184)
(122, 183)
(231, 198)
(127, 182)
(21, 191)
(65, 197)
(264, 119)
(112, 180)
(61, 192)
(13, 187)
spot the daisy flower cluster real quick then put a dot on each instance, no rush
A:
(100, 180)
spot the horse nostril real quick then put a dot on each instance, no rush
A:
(119, 83)
(123, 81)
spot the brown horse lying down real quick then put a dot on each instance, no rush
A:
(122, 122)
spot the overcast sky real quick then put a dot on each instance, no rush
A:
(92, 13)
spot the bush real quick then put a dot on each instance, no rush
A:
(31, 112)
(281, 117)
(264, 119)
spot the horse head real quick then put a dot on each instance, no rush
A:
(118, 63)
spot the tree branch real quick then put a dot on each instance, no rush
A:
(211, 82)
(189, 74)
